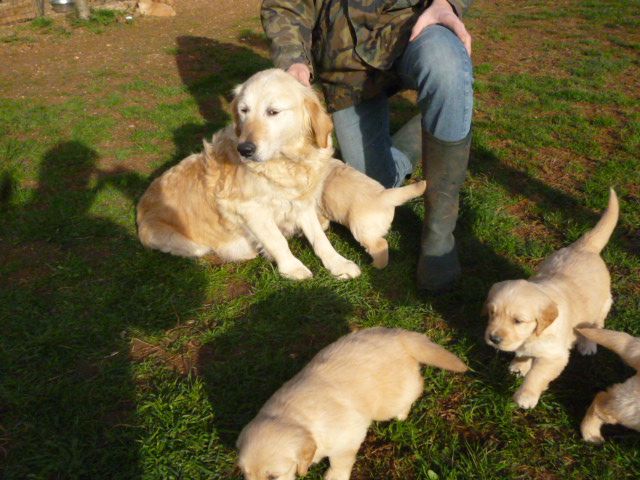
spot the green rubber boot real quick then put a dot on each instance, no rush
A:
(445, 167)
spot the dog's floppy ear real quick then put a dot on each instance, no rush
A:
(487, 309)
(208, 148)
(321, 124)
(234, 109)
(306, 454)
(547, 316)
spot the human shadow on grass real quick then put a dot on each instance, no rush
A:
(76, 285)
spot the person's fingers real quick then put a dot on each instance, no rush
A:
(420, 25)
(455, 24)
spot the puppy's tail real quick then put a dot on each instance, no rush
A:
(400, 195)
(623, 344)
(429, 353)
(596, 239)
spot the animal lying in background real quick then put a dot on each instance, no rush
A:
(326, 409)
(536, 318)
(620, 403)
(363, 205)
(256, 183)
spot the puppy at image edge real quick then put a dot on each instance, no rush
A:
(620, 404)
(536, 318)
(326, 409)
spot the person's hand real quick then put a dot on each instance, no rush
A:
(300, 72)
(441, 11)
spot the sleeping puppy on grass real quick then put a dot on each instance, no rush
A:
(326, 409)
(256, 184)
(620, 403)
(358, 202)
(535, 318)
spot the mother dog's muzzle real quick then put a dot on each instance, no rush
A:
(247, 149)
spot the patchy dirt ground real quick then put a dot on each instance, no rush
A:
(51, 66)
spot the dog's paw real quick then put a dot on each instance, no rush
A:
(592, 437)
(520, 367)
(333, 474)
(295, 271)
(344, 269)
(526, 398)
(587, 347)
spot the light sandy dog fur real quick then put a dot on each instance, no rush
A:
(363, 205)
(326, 409)
(535, 318)
(218, 202)
(620, 403)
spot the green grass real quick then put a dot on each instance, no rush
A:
(76, 287)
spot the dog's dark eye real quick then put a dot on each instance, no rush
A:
(272, 112)
(517, 321)
(244, 109)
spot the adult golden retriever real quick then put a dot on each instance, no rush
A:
(258, 182)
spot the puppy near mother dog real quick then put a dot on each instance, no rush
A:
(620, 403)
(258, 182)
(326, 409)
(362, 204)
(536, 318)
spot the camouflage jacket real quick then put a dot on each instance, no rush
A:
(349, 45)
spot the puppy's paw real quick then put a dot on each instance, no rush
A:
(592, 437)
(295, 271)
(520, 367)
(333, 474)
(526, 398)
(587, 347)
(344, 269)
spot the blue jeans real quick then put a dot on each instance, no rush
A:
(438, 67)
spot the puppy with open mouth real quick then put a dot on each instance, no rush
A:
(535, 318)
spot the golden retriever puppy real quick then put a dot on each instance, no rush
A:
(621, 402)
(326, 409)
(535, 318)
(363, 205)
(256, 183)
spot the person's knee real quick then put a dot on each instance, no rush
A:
(441, 62)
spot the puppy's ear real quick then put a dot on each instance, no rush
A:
(487, 309)
(306, 454)
(321, 124)
(547, 316)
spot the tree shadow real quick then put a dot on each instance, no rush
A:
(76, 286)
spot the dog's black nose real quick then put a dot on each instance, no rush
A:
(495, 339)
(247, 149)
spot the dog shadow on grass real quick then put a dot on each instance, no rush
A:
(74, 286)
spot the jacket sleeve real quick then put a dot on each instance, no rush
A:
(460, 6)
(289, 25)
